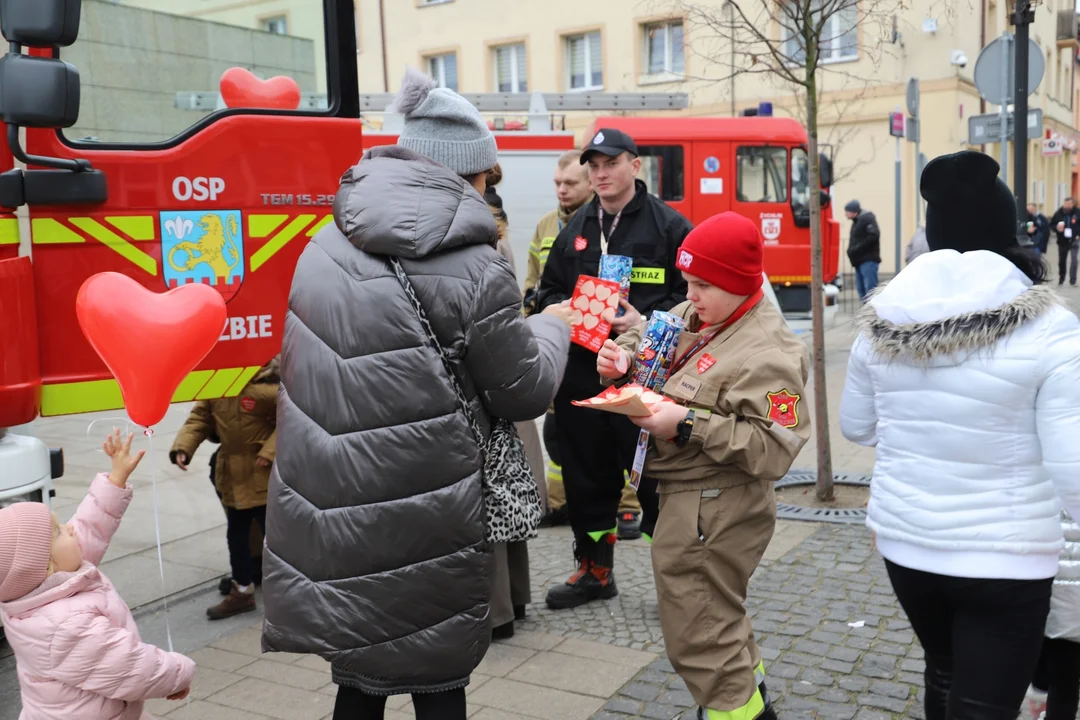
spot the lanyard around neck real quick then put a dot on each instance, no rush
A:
(614, 224)
(704, 340)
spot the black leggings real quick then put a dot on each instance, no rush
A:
(353, 704)
(981, 640)
(238, 535)
(1058, 675)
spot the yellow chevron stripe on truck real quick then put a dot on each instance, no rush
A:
(98, 395)
(9, 231)
(139, 228)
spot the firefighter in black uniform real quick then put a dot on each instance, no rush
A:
(596, 448)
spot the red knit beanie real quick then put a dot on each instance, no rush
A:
(725, 251)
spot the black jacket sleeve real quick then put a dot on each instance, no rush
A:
(677, 230)
(556, 283)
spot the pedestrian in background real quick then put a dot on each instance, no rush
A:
(864, 248)
(1038, 229)
(245, 425)
(964, 380)
(1066, 223)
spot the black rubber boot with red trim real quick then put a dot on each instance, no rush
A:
(594, 578)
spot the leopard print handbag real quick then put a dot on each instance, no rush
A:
(512, 504)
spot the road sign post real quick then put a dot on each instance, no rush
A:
(913, 110)
(1023, 16)
(987, 128)
(996, 72)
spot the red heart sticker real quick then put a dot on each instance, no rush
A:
(149, 341)
(241, 89)
(580, 243)
(248, 403)
(704, 363)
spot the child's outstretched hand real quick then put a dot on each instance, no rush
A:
(123, 463)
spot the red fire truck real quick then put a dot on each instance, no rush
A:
(261, 182)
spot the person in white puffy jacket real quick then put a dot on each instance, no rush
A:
(1055, 689)
(966, 378)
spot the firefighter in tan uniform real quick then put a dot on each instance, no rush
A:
(573, 190)
(735, 426)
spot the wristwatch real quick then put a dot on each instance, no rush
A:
(684, 429)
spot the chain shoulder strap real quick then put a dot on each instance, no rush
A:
(448, 366)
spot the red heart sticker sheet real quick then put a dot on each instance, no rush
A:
(593, 307)
(632, 400)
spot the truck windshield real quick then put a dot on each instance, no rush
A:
(762, 174)
(800, 180)
(153, 69)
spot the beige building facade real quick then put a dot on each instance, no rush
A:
(664, 46)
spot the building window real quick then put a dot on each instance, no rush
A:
(664, 51)
(278, 25)
(443, 68)
(839, 36)
(761, 175)
(434, 2)
(662, 170)
(510, 74)
(585, 65)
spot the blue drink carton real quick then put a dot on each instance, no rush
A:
(657, 349)
(617, 268)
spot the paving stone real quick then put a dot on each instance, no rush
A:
(623, 705)
(887, 703)
(843, 653)
(890, 689)
(657, 711)
(642, 691)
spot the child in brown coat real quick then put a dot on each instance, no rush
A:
(245, 424)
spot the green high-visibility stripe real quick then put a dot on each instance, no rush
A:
(597, 534)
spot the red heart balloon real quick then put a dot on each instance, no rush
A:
(149, 341)
(241, 89)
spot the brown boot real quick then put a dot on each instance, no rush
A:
(235, 603)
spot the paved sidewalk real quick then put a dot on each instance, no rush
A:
(558, 666)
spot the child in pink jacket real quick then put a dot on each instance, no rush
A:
(78, 651)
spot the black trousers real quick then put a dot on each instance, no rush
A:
(352, 704)
(551, 443)
(981, 640)
(1058, 675)
(595, 448)
(1067, 256)
(238, 534)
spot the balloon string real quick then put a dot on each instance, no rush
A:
(157, 531)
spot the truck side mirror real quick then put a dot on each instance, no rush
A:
(826, 171)
(42, 92)
(38, 92)
(40, 23)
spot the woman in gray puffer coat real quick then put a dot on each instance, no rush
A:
(375, 554)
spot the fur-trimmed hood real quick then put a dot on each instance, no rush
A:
(946, 304)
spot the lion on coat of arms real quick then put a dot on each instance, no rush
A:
(211, 248)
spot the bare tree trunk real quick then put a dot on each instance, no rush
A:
(824, 485)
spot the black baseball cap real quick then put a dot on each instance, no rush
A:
(610, 142)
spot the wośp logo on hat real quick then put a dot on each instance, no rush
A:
(599, 139)
(685, 259)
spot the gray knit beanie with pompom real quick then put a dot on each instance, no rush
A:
(442, 125)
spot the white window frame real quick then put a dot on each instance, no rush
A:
(831, 35)
(519, 75)
(425, 3)
(268, 23)
(436, 67)
(666, 27)
(568, 45)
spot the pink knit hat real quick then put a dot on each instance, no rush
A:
(26, 536)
